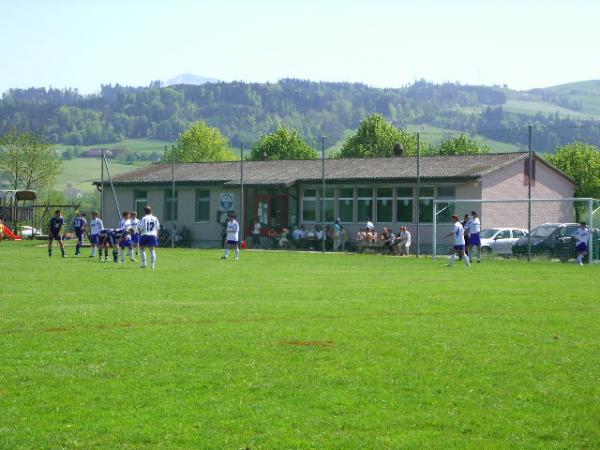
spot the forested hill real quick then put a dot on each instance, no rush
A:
(245, 111)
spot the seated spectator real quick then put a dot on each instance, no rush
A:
(387, 239)
(273, 237)
(284, 242)
(361, 239)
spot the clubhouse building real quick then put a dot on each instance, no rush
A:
(288, 193)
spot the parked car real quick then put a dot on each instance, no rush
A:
(550, 240)
(500, 240)
(27, 231)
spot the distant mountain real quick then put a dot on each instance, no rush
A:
(190, 78)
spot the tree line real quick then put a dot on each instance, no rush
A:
(247, 111)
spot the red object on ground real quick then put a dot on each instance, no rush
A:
(244, 245)
(11, 235)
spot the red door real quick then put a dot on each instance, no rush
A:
(272, 211)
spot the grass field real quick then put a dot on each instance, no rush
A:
(134, 145)
(296, 350)
(80, 172)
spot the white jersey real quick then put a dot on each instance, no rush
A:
(135, 224)
(233, 229)
(149, 226)
(459, 234)
(474, 225)
(582, 236)
(96, 226)
(125, 224)
(405, 236)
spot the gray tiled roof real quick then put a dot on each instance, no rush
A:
(289, 172)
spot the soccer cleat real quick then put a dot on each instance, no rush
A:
(143, 266)
(223, 257)
(237, 258)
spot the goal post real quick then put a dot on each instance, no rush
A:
(507, 225)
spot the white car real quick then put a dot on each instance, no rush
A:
(500, 240)
(26, 231)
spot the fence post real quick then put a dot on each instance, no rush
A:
(434, 227)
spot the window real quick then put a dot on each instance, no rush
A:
(170, 205)
(329, 205)
(404, 204)
(364, 204)
(518, 234)
(504, 234)
(385, 199)
(202, 205)
(346, 205)
(309, 205)
(445, 210)
(426, 204)
(140, 200)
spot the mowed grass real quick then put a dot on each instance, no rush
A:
(79, 173)
(296, 350)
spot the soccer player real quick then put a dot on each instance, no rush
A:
(135, 237)
(54, 232)
(125, 237)
(474, 225)
(96, 227)
(233, 229)
(149, 226)
(582, 235)
(80, 226)
(105, 242)
(458, 233)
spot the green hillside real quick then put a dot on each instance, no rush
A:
(585, 94)
(79, 173)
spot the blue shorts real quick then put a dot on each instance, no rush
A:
(148, 240)
(474, 239)
(79, 233)
(135, 238)
(582, 247)
(95, 239)
(126, 243)
(232, 242)
(459, 248)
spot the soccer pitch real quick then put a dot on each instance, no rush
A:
(296, 350)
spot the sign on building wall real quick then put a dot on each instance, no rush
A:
(226, 201)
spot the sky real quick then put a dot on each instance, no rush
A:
(383, 43)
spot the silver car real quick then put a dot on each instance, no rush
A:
(500, 240)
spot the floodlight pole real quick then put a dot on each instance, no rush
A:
(242, 190)
(419, 194)
(323, 194)
(172, 196)
(591, 228)
(434, 226)
(102, 185)
(529, 172)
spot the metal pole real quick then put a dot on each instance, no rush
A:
(173, 196)
(591, 227)
(434, 227)
(418, 194)
(242, 190)
(112, 186)
(102, 186)
(529, 172)
(323, 194)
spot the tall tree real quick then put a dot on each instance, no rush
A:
(375, 138)
(201, 143)
(29, 160)
(282, 144)
(582, 162)
(461, 145)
